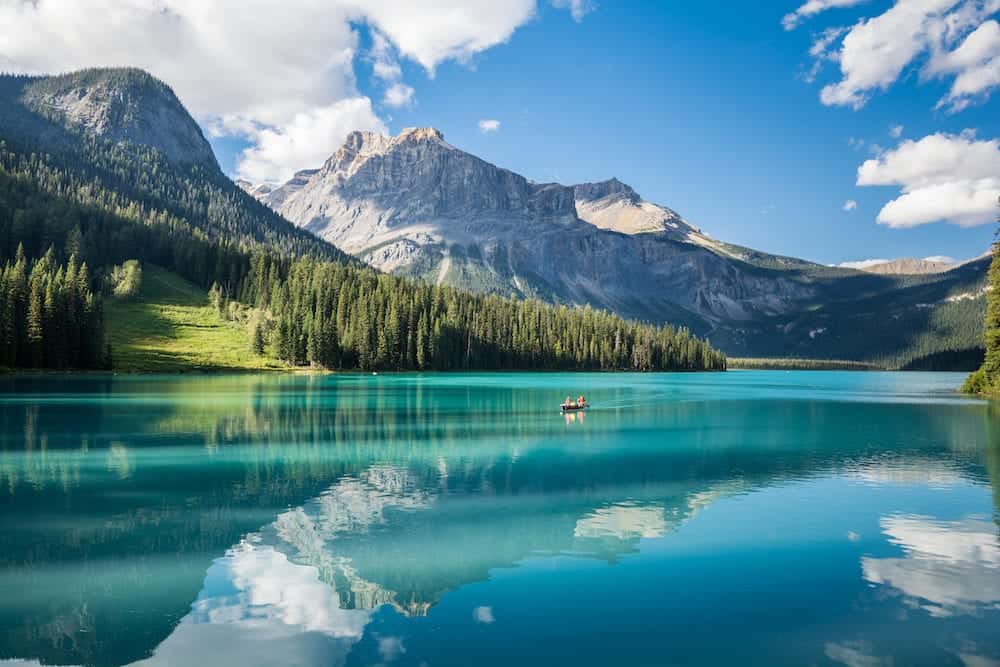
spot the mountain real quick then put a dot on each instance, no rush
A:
(615, 206)
(125, 133)
(102, 169)
(415, 205)
(904, 266)
(120, 105)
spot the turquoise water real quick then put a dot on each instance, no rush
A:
(745, 518)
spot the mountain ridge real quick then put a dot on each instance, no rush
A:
(416, 205)
(120, 104)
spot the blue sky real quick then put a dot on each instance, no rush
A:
(699, 107)
(709, 108)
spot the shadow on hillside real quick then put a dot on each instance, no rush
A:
(949, 360)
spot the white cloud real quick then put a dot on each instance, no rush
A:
(307, 140)
(941, 259)
(398, 95)
(943, 177)
(952, 37)
(211, 54)
(488, 125)
(850, 205)
(386, 68)
(433, 31)
(792, 20)
(577, 8)
(385, 65)
(856, 143)
(896, 131)
(975, 64)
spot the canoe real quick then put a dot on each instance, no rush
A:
(573, 408)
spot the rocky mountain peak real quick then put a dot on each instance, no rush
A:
(418, 176)
(420, 134)
(593, 191)
(122, 105)
(361, 145)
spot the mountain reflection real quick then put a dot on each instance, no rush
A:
(294, 592)
(312, 502)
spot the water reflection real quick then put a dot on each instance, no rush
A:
(319, 505)
(623, 521)
(260, 608)
(949, 567)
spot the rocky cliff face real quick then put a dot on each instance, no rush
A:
(121, 105)
(377, 189)
(416, 205)
(616, 206)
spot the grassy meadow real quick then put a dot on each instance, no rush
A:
(170, 327)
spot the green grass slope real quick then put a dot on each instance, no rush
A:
(170, 327)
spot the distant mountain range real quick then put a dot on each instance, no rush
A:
(907, 266)
(415, 205)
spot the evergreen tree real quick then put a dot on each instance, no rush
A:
(987, 378)
(257, 340)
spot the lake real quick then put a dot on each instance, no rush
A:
(751, 518)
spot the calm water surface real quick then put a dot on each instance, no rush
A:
(746, 518)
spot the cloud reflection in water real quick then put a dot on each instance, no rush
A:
(949, 567)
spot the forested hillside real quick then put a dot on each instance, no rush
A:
(986, 380)
(928, 322)
(75, 197)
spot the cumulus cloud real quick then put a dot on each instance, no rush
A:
(398, 95)
(850, 205)
(792, 20)
(896, 131)
(577, 8)
(386, 68)
(942, 177)
(956, 39)
(385, 65)
(307, 139)
(975, 64)
(433, 31)
(271, 72)
(488, 125)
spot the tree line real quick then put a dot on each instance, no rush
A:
(341, 316)
(49, 315)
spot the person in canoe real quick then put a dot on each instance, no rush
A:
(568, 403)
(581, 402)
